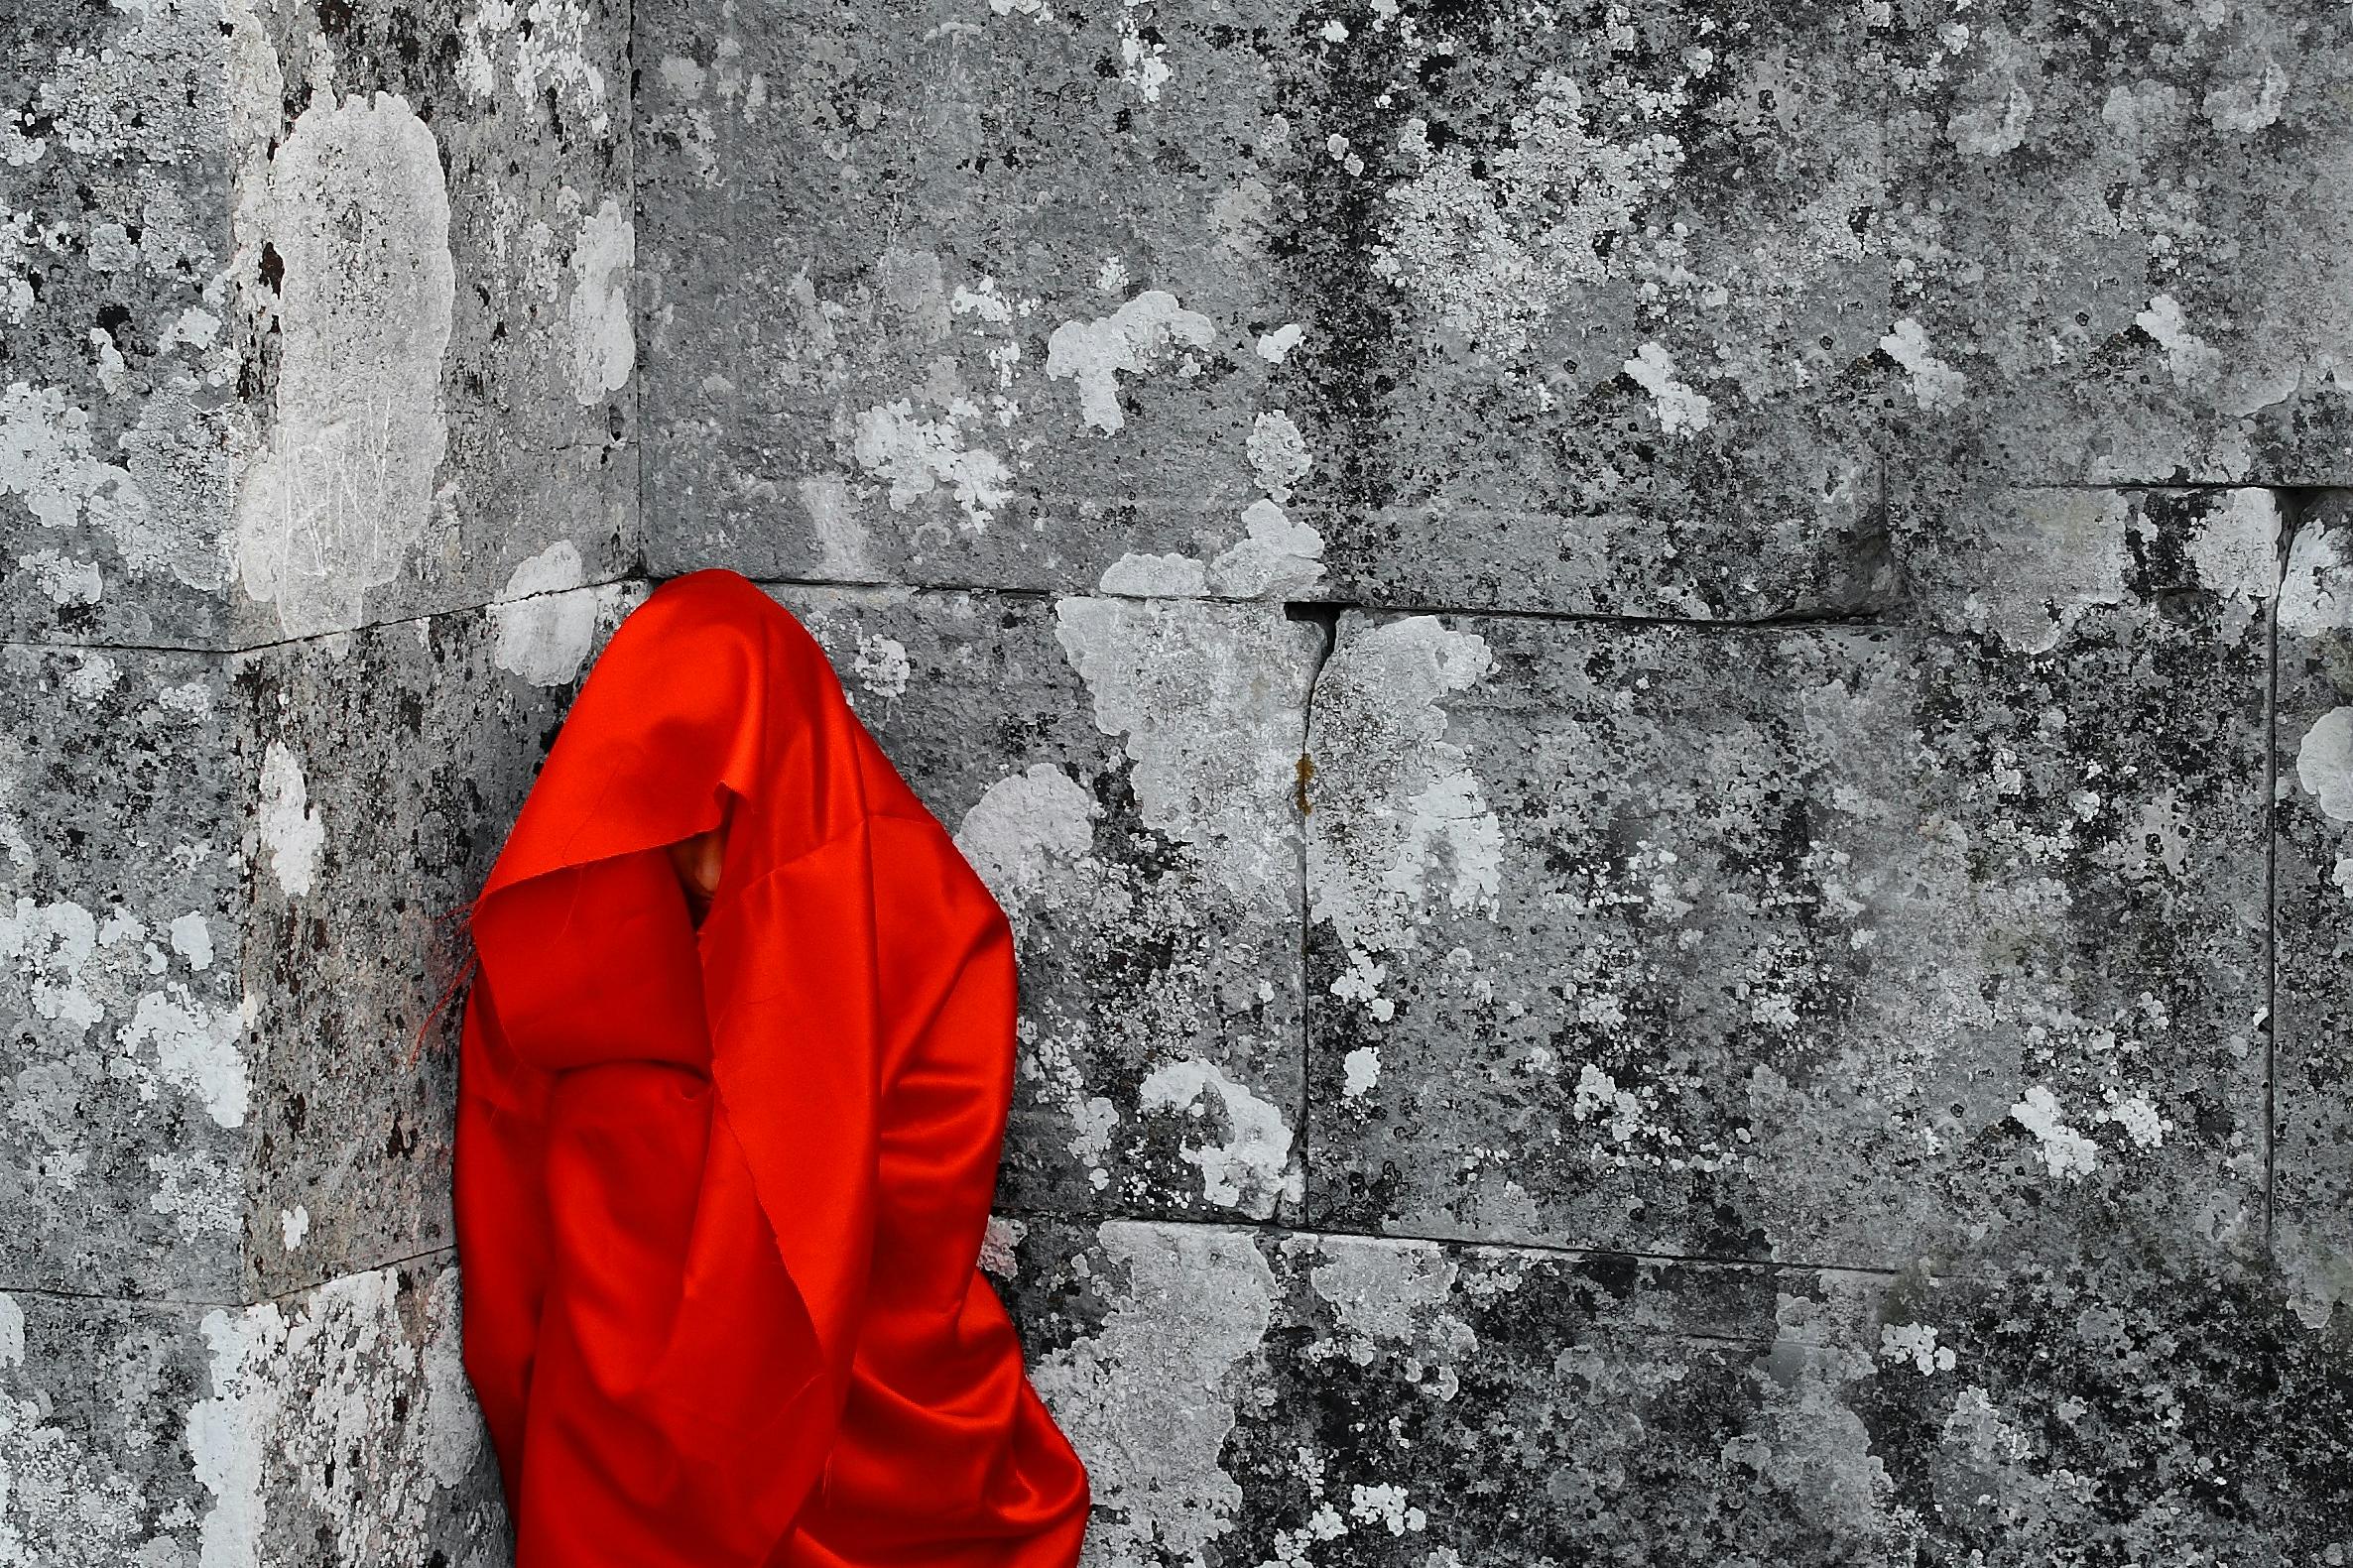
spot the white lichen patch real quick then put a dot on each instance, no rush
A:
(358, 212)
(1680, 410)
(1489, 256)
(1210, 702)
(1395, 803)
(604, 347)
(1133, 340)
(881, 666)
(2064, 1152)
(546, 619)
(1276, 559)
(302, 1435)
(194, 1047)
(1936, 385)
(1150, 1401)
(2316, 588)
(918, 455)
(2324, 763)
(292, 831)
(152, 507)
(529, 51)
(1249, 1168)
(1022, 827)
(1915, 1344)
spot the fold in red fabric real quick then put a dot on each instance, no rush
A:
(721, 1188)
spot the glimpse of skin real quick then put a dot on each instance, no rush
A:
(696, 861)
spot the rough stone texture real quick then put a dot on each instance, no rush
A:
(1787, 554)
(317, 410)
(389, 762)
(2314, 912)
(1828, 943)
(1252, 1396)
(1121, 774)
(129, 1097)
(332, 1427)
(314, 320)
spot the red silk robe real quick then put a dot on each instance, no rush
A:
(720, 1189)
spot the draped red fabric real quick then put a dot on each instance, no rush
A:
(721, 1187)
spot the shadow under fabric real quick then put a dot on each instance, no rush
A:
(720, 1189)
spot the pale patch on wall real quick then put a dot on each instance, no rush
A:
(1251, 1169)
(1491, 254)
(1392, 796)
(2051, 556)
(1209, 701)
(546, 625)
(1150, 1401)
(1022, 827)
(1134, 338)
(358, 212)
(530, 48)
(919, 456)
(48, 461)
(195, 1048)
(1679, 409)
(604, 348)
(300, 1418)
(1934, 384)
(292, 831)
(2063, 1151)
(2317, 592)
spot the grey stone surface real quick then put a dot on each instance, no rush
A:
(2314, 912)
(385, 766)
(121, 1038)
(1832, 944)
(331, 1428)
(234, 894)
(1588, 308)
(1121, 772)
(1251, 1396)
(1861, 1085)
(314, 318)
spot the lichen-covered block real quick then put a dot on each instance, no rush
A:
(1252, 1396)
(2313, 911)
(233, 895)
(1826, 943)
(971, 294)
(1069, 300)
(121, 1029)
(2115, 241)
(1121, 774)
(315, 319)
(333, 1427)
(385, 766)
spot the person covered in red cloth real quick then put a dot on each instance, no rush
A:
(734, 1071)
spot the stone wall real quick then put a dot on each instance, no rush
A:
(1664, 695)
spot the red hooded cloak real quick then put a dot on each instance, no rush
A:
(720, 1189)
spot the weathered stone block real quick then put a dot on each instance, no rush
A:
(234, 891)
(951, 297)
(1121, 774)
(388, 765)
(2313, 911)
(333, 1428)
(315, 321)
(121, 814)
(1835, 944)
(1246, 1396)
